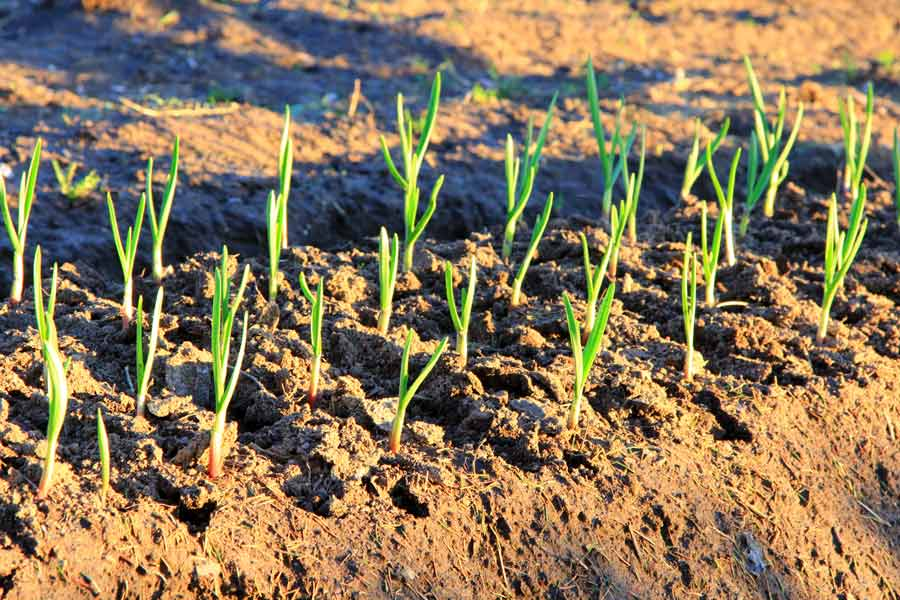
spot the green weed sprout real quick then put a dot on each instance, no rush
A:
(693, 168)
(103, 447)
(840, 250)
(518, 190)
(768, 139)
(408, 391)
(726, 202)
(54, 371)
(71, 189)
(127, 254)
(158, 225)
(315, 334)
(633, 188)
(689, 304)
(412, 164)
(19, 231)
(856, 147)
(584, 357)
(467, 296)
(388, 255)
(275, 217)
(144, 367)
(540, 224)
(896, 154)
(609, 166)
(223, 315)
(285, 167)
(710, 253)
(594, 275)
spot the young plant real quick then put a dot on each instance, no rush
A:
(633, 188)
(726, 201)
(103, 448)
(610, 167)
(767, 140)
(315, 334)
(518, 190)
(285, 167)
(408, 391)
(584, 357)
(127, 254)
(593, 276)
(413, 157)
(18, 232)
(616, 228)
(275, 218)
(144, 367)
(856, 147)
(460, 321)
(540, 224)
(54, 371)
(693, 168)
(223, 315)
(388, 254)
(710, 254)
(689, 304)
(896, 154)
(71, 189)
(158, 225)
(840, 250)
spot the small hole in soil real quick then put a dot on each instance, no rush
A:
(197, 519)
(404, 499)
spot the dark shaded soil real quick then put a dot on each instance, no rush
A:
(773, 475)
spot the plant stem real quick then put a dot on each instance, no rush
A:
(15, 294)
(745, 222)
(462, 346)
(314, 379)
(384, 318)
(396, 431)
(590, 315)
(508, 235)
(729, 238)
(710, 288)
(127, 310)
(771, 192)
(408, 256)
(823, 318)
(575, 409)
(215, 446)
(689, 363)
(607, 199)
(159, 271)
(47, 476)
(516, 292)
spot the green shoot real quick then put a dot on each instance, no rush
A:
(768, 140)
(54, 371)
(693, 168)
(413, 157)
(856, 147)
(103, 447)
(285, 166)
(467, 296)
(18, 232)
(518, 190)
(840, 250)
(408, 391)
(710, 255)
(127, 254)
(158, 225)
(584, 357)
(144, 367)
(315, 334)
(616, 225)
(540, 224)
(275, 218)
(594, 275)
(689, 304)
(633, 188)
(223, 315)
(896, 154)
(71, 189)
(726, 201)
(388, 253)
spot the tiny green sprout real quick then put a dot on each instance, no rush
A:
(413, 157)
(767, 140)
(617, 224)
(584, 357)
(275, 217)
(693, 168)
(388, 254)
(467, 296)
(144, 367)
(593, 276)
(18, 232)
(54, 371)
(757, 181)
(408, 391)
(633, 188)
(518, 189)
(71, 189)
(896, 154)
(158, 225)
(609, 166)
(127, 254)
(223, 315)
(689, 304)
(726, 201)
(710, 254)
(285, 167)
(840, 250)
(103, 448)
(315, 334)
(856, 147)
(540, 224)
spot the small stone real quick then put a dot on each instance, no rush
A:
(167, 404)
(527, 407)
(206, 569)
(427, 433)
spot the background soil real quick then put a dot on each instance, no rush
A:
(774, 475)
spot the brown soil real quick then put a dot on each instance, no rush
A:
(773, 475)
